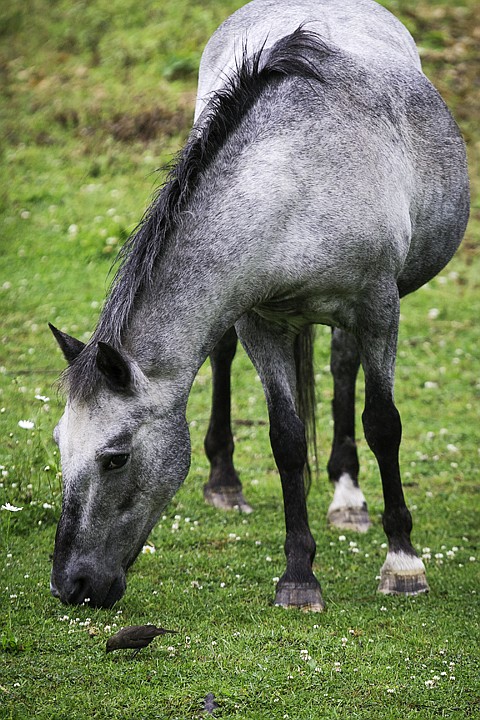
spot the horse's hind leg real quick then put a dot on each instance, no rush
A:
(403, 571)
(348, 509)
(224, 489)
(271, 349)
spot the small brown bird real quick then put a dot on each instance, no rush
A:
(209, 704)
(136, 637)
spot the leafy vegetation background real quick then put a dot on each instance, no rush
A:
(95, 96)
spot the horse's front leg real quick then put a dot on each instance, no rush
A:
(348, 509)
(224, 489)
(403, 571)
(271, 350)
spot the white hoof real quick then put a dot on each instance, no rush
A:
(348, 509)
(402, 574)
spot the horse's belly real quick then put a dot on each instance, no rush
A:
(335, 310)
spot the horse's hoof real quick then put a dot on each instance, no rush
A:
(226, 498)
(347, 518)
(403, 574)
(303, 596)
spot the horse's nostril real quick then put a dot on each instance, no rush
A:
(79, 592)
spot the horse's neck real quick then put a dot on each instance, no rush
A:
(198, 292)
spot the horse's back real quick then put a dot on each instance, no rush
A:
(361, 27)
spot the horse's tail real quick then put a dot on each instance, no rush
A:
(306, 400)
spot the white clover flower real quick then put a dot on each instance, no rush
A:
(11, 508)
(42, 398)
(26, 424)
(433, 313)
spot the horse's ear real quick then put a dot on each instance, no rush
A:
(114, 366)
(70, 346)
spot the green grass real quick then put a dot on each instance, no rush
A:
(95, 97)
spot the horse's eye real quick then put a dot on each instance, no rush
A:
(116, 461)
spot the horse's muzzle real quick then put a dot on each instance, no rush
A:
(79, 589)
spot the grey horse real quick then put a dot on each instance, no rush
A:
(324, 178)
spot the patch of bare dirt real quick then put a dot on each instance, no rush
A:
(149, 124)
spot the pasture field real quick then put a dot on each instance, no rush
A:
(95, 96)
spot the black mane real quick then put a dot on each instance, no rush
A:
(299, 54)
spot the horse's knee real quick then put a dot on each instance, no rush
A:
(287, 438)
(382, 426)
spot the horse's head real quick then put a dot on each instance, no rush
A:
(125, 450)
